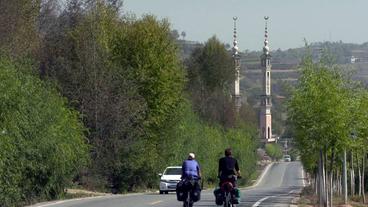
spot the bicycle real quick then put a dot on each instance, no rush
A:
(228, 188)
(190, 185)
(188, 202)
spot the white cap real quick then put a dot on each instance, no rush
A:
(191, 155)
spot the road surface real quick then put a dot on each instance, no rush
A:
(279, 185)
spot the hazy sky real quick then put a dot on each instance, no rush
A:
(290, 20)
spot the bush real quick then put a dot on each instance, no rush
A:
(208, 142)
(274, 151)
(41, 140)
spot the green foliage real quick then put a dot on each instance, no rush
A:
(79, 57)
(211, 72)
(18, 28)
(294, 154)
(319, 111)
(42, 143)
(212, 65)
(208, 142)
(274, 151)
(146, 49)
(125, 77)
(146, 52)
(359, 121)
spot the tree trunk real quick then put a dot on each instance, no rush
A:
(331, 189)
(363, 170)
(345, 179)
(320, 179)
(337, 189)
(352, 182)
(328, 184)
(316, 183)
(325, 179)
(331, 175)
(339, 183)
(359, 176)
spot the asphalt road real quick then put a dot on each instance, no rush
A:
(282, 182)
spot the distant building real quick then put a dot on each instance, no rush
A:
(359, 56)
(353, 59)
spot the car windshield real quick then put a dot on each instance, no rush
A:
(173, 171)
(286, 156)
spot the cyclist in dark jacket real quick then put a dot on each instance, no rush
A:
(227, 172)
(228, 166)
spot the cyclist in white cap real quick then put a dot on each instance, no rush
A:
(190, 168)
(191, 174)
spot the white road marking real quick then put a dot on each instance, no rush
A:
(261, 200)
(156, 202)
(262, 175)
(66, 201)
(52, 203)
(291, 192)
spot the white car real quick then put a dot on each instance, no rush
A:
(169, 179)
(287, 158)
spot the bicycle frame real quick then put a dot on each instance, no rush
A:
(227, 189)
(227, 202)
(188, 202)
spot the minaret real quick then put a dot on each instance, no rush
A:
(265, 113)
(236, 58)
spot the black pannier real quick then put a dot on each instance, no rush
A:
(181, 193)
(196, 192)
(219, 195)
(184, 186)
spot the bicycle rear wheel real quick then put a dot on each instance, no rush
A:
(188, 202)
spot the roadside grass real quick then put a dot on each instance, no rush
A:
(70, 193)
(309, 199)
(80, 193)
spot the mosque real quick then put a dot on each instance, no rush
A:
(265, 116)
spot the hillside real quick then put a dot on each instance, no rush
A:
(285, 63)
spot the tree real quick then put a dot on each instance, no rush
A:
(42, 141)
(146, 51)
(183, 34)
(210, 74)
(125, 78)
(320, 116)
(175, 34)
(154, 65)
(359, 133)
(274, 151)
(18, 27)
(208, 141)
(78, 56)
